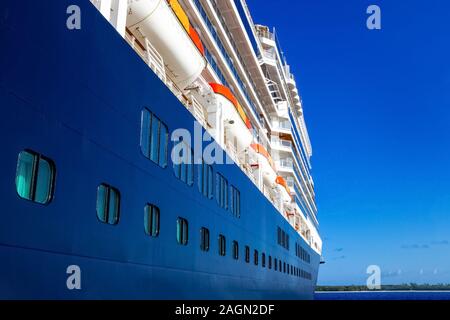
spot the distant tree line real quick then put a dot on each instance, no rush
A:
(390, 287)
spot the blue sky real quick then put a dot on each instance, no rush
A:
(377, 105)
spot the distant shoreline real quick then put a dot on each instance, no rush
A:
(377, 291)
(408, 287)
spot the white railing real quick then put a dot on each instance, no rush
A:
(286, 163)
(150, 55)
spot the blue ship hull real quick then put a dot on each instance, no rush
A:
(76, 96)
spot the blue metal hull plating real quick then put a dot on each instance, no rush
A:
(76, 96)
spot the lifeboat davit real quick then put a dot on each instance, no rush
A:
(233, 114)
(266, 163)
(167, 27)
(284, 189)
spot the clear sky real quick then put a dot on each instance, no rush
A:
(377, 106)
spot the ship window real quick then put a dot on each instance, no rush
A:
(247, 254)
(270, 262)
(151, 220)
(284, 267)
(255, 256)
(35, 177)
(235, 250)
(183, 166)
(275, 264)
(235, 202)
(279, 265)
(108, 204)
(206, 180)
(204, 236)
(222, 245)
(182, 231)
(154, 138)
(263, 260)
(221, 191)
(279, 235)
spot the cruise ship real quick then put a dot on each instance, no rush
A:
(151, 149)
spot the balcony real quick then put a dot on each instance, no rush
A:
(281, 144)
(285, 164)
(282, 126)
(264, 32)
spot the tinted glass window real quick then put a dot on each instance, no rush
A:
(151, 220)
(154, 138)
(108, 204)
(35, 177)
(182, 231)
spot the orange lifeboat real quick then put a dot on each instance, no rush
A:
(284, 189)
(266, 163)
(233, 114)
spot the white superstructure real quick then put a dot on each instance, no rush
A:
(232, 76)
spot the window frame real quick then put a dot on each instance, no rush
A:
(37, 158)
(247, 254)
(189, 167)
(222, 192)
(222, 245)
(182, 231)
(235, 200)
(165, 148)
(235, 250)
(206, 180)
(148, 216)
(205, 239)
(109, 188)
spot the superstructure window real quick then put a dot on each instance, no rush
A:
(206, 180)
(183, 166)
(221, 191)
(204, 239)
(270, 262)
(283, 238)
(255, 257)
(151, 220)
(35, 177)
(154, 138)
(108, 204)
(235, 202)
(222, 245)
(247, 254)
(182, 231)
(235, 250)
(275, 264)
(263, 260)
